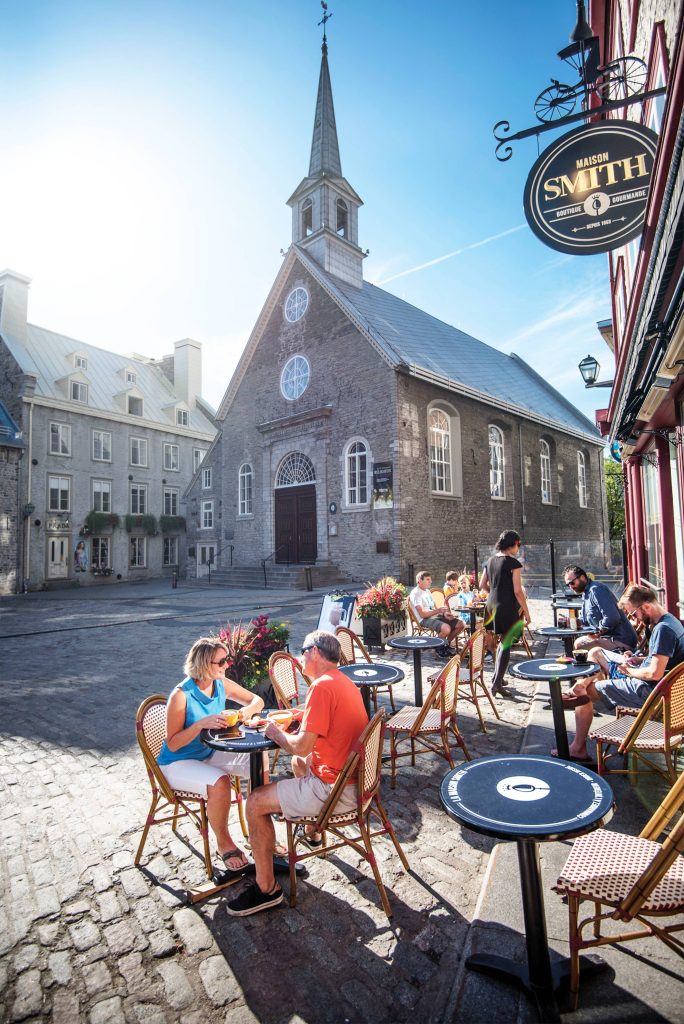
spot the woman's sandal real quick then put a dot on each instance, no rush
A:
(234, 854)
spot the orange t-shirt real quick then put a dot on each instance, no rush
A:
(334, 711)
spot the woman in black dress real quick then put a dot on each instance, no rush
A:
(507, 611)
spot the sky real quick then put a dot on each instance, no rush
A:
(149, 147)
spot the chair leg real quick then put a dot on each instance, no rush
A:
(476, 702)
(205, 838)
(240, 805)
(370, 857)
(374, 698)
(387, 824)
(393, 760)
(291, 857)
(573, 910)
(459, 739)
(445, 744)
(146, 830)
(490, 698)
(391, 699)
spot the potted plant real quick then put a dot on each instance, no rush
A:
(249, 648)
(382, 608)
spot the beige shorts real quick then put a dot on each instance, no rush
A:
(585, 643)
(306, 797)
(194, 776)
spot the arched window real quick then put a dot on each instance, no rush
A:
(294, 379)
(307, 218)
(246, 478)
(342, 218)
(295, 469)
(440, 451)
(582, 490)
(356, 470)
(497, 484)
(545, 467)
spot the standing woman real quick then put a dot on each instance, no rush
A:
(193, 705)
(507, 611)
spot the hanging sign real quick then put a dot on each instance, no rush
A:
(616, 452)
(383, 495)
(587, 192)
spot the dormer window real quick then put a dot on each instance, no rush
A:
(135, 406)
(342, 218)
(131, 377)
(78, 392)
(80, 362)
(307, 218)
(182, 417)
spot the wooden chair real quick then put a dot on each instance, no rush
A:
(421, 727)
(417, 628)
(365, 761)
(285, 674)
(438, 595)
(172, 804)
(657, 728)
(353, 650)
(638, 881)
(471, 681)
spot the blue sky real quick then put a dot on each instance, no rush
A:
(149, 148)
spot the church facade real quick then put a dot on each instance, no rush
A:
(360, 432)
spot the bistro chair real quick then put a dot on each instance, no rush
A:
(353, 649)
(471, 681)
(417, 628)
(426, 729)
(630, 879)
(286, 674)
(438, 596)
(364, 761)
(171, 804)
(658, 728)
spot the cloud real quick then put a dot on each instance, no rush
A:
(449, 255)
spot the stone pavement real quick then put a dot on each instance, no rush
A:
(86, 936)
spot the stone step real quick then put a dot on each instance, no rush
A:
(288, 577)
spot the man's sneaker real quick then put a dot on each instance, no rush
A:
(251, 900)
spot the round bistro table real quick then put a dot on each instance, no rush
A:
(367, 675)
(242, 740)
(528, 800)
(554, 671)
(416, 644)
(564, 633)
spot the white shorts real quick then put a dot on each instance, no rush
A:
(194, 776)
(306, 797)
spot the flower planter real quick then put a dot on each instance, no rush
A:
(376, 632)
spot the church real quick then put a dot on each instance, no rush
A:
(360, 436)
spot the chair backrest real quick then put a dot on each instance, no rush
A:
(352, 646)
(476, 651)
(284, 672)
(670, 685)
(449, 677)
(433, 701)
(150, 729)
(365, 761)
(438, 595)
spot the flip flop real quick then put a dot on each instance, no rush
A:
(231, 855)
(571, 757)
(308, 840)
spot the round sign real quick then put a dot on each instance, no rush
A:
(587, 192)
(523, 787)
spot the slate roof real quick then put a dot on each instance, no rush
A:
(10, 434)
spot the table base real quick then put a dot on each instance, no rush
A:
(518, 974)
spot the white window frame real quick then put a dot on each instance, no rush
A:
(171, 501)
(356, 467)
(439, 445)
(182, 418)
(143, 451)
(582, 489)
(296, 304)
(545, 471)
(197, 457)
(171, 457)
(131, 377)
(170, 551)
(140, 492)
(207, 515)
(135, 398)
(295, 377)
(246, 489)
(206, 478)
(137, 552)
(60, 439)
(497, 462)
(63, 488)
(81, 363)
(102, 489)
(104, 438)
(78, 392)
(100, 544)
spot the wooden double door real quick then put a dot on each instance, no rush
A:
(295, 524)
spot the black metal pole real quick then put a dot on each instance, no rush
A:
(417, 678)
(559, 726)
(477, 568)
(552, 554)
(411, 574)
(538, 959)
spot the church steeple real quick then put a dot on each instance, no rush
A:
(325, 206)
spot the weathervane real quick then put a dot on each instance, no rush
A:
(615, 85)
(326, 17)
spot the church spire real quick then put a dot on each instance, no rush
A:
(325, 151)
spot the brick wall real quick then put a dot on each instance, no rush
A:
(11, 520)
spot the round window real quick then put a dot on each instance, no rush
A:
(295, 304)
(295, 377)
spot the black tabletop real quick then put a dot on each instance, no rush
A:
(241, 740)
(415, 643)
(567, 603)
(376, 674)
(547, 668)
(526, 797)
(564, 630)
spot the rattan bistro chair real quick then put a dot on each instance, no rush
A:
(353, 650)
(471, 681)
(658, 728)
(285, 674)
(364, 761)
(172, 804)
(417, 628)
(630, 879)
(426, 729)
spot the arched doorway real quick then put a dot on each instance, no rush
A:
(295, 510)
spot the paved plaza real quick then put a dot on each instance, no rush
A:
(86, 936)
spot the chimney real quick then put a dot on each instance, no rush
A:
(187, 370)
(14, 305)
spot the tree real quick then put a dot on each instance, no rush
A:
(615, 498)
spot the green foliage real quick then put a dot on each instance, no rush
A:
(171, 524)
(249, 648)
(615, 499)
(97, 522)
(147, 523)
(382, 599)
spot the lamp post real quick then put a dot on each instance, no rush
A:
(589, 368)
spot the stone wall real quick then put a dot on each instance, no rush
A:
(11, 520)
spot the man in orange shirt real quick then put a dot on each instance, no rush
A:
(334, 718)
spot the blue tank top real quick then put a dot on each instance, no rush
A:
(197, 705)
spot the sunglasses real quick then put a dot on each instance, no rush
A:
(220, 663)
(573, 580)
(309, 648)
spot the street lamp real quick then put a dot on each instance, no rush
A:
(589, 368)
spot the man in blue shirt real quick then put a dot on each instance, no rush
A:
(629, 683)
(612, 629)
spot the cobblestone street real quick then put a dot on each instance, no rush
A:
(86, 936)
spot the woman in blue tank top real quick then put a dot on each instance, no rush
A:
(193, 705)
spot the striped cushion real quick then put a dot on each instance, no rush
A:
(650, 737)
(404, 720)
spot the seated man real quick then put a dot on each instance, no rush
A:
(443, 621)
(612, 629)
(334, 718)
(631, 682)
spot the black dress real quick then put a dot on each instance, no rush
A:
(503, 609)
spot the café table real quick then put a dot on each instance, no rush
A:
(564, 604)
(416, 644)
(367, 675)
(564, 633)
(554, 672)
(529, 799)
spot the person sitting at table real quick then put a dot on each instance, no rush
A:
(462, 598)
(612, 629)
(188, 765)
(506, 613)
(442, 620)
(629, 683)
(334, 718)
(450, 584)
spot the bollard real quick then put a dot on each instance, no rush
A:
(307, 577)
(174, 578)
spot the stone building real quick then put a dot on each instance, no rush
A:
(112, 442)
(360, 433)
(11, 509)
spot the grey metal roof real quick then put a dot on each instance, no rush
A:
(428, 347)
(47, 356)
(325, 150)
(10, 434)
